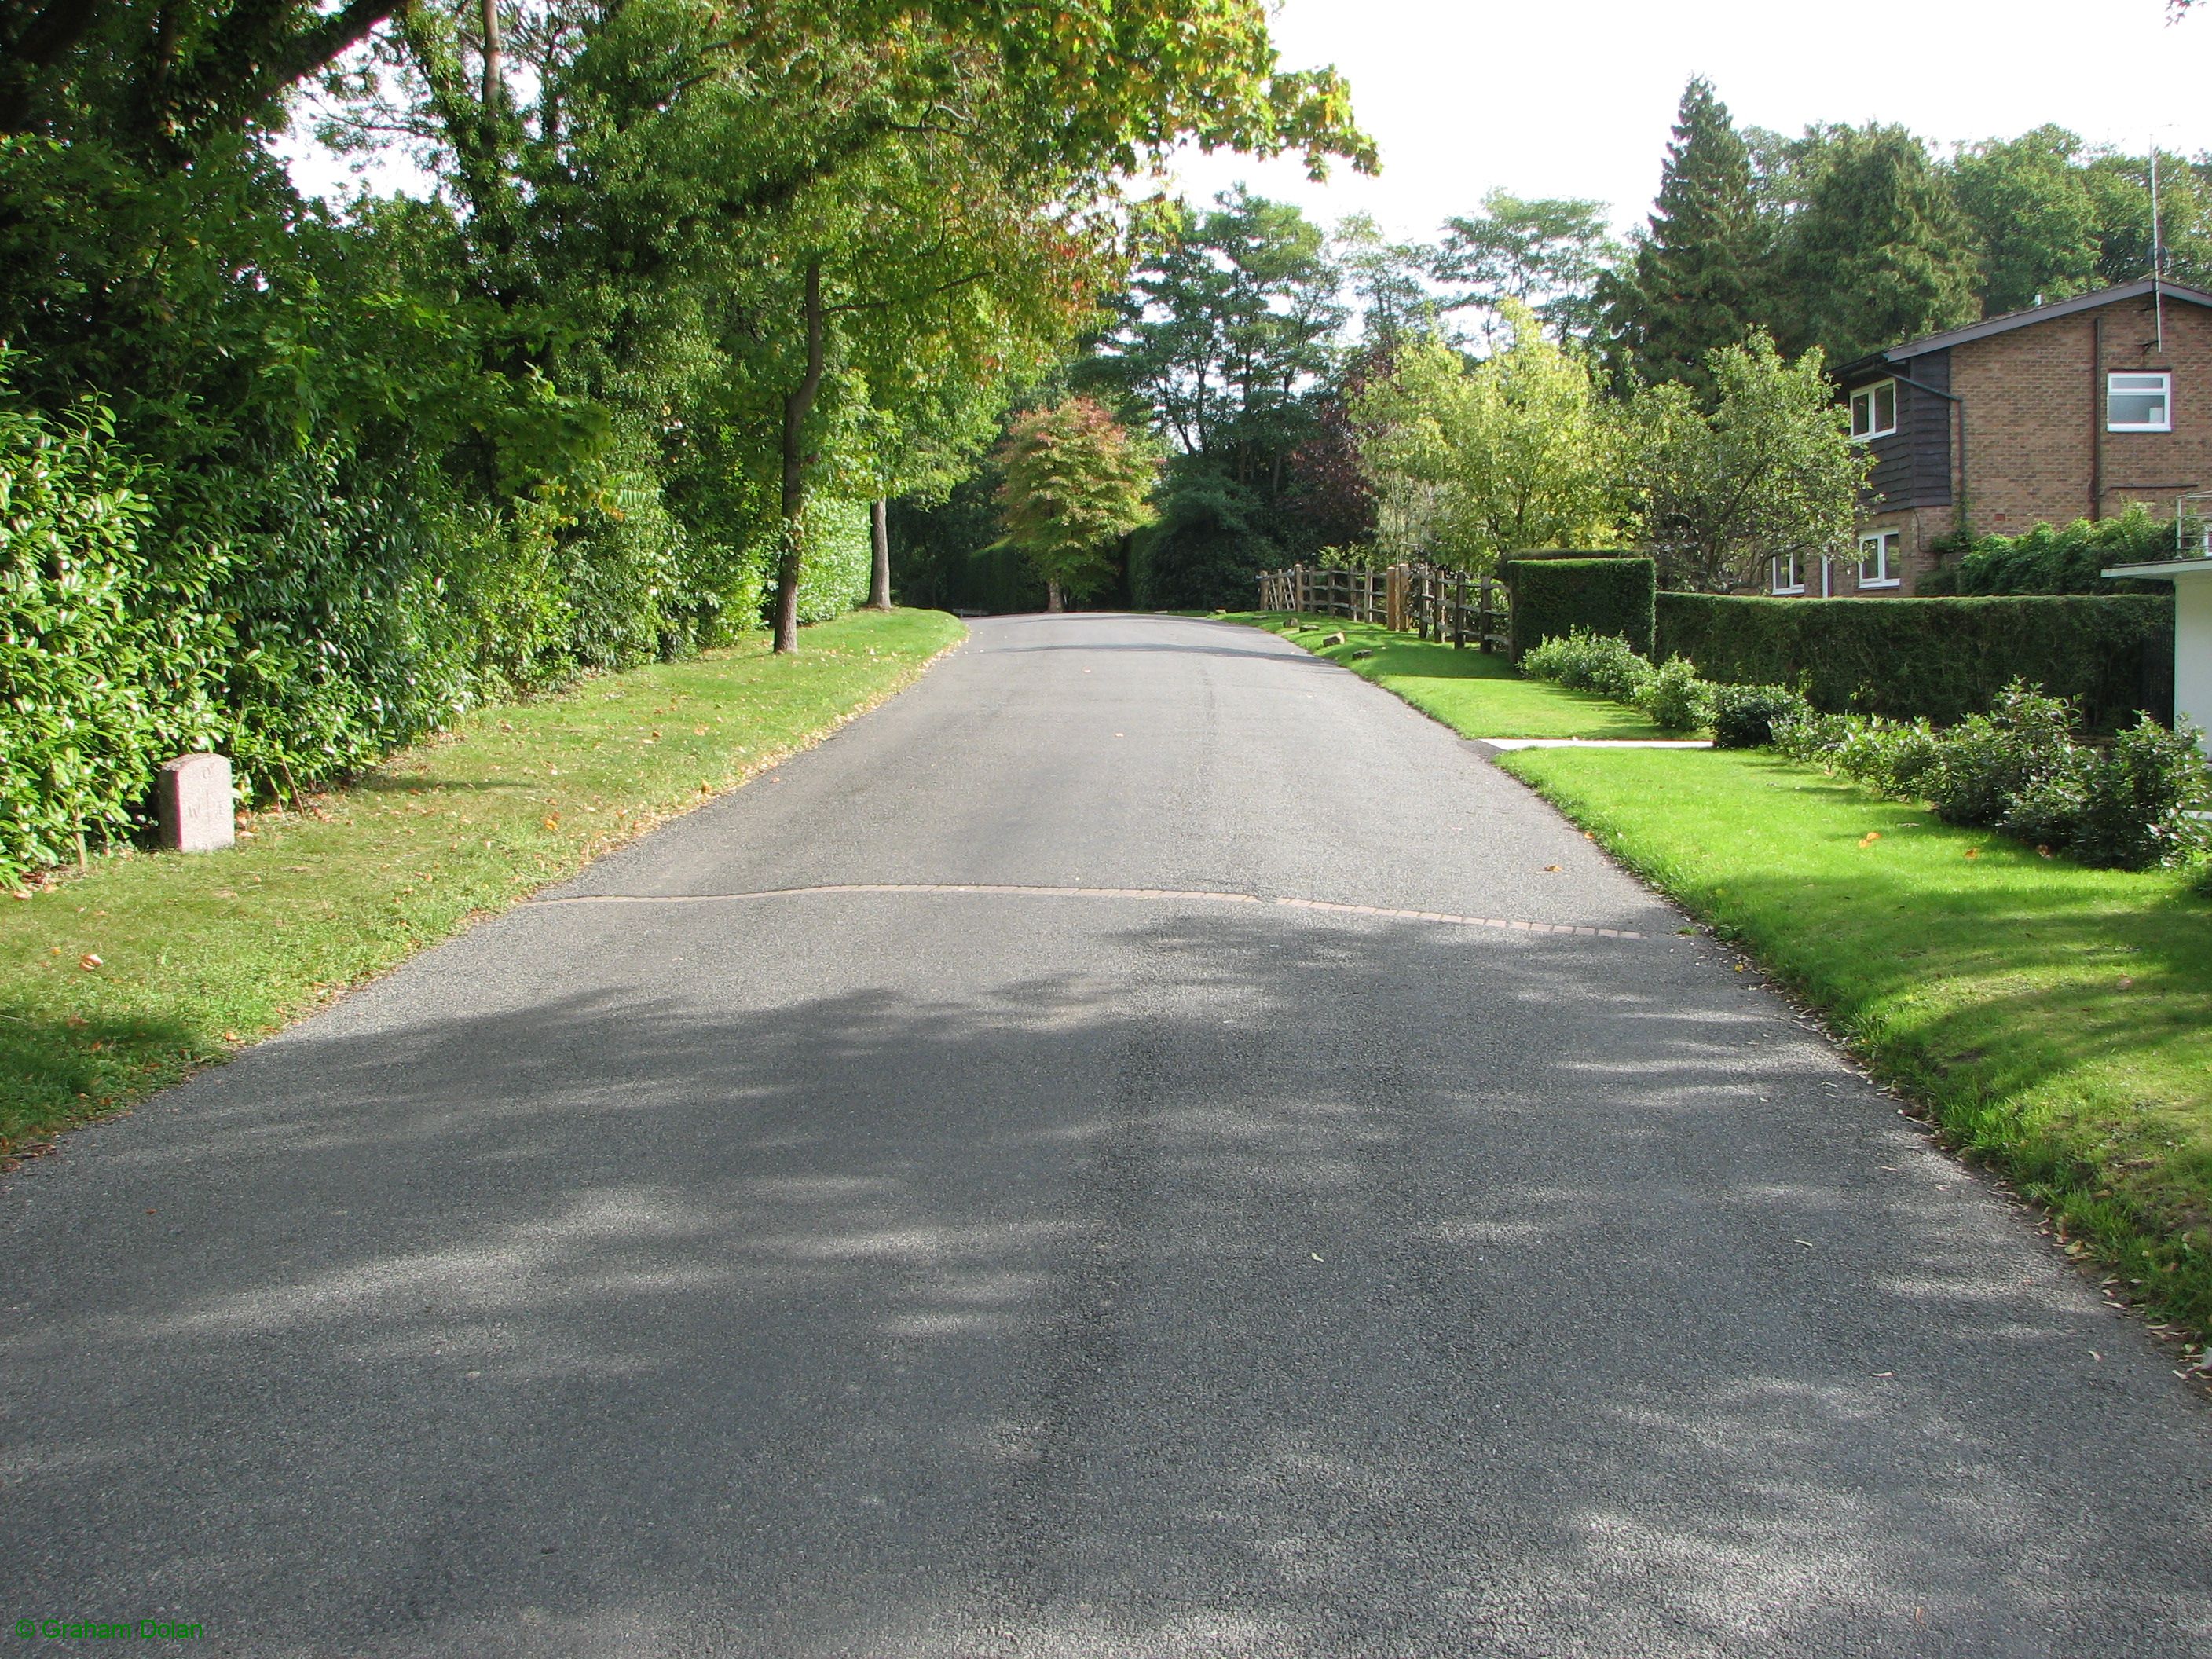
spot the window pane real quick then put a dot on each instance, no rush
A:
(1861, 414)
(1885, 407)
(2137, 400)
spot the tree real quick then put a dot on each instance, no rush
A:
(1693, 282)
(1516, 451)
(1548, 255)
(1768, 470)
(1076, 482)
(2034, 216)
(1879, 253)
(1385, 279)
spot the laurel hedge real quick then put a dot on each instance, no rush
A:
(1940, 659)
(1553, 596)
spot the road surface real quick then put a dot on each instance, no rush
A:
(1094, 1159)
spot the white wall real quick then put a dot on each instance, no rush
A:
(2192, 651)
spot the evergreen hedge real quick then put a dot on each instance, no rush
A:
(1943, 659)
(1553, 596)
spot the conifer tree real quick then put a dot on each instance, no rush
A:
(1880, 252)
(1693, 286)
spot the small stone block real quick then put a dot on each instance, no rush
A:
(199, 811)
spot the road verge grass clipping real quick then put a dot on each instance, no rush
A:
(124, 979)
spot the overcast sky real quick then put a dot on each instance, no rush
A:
(1575, 97)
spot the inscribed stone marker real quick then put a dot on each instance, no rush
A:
(199, 812)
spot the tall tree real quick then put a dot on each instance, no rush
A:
(1879, 252)
(1693, 282)
(1548, 255)
(1518, 451)
(1767, 469)
(1076, 484)
(2032, 216)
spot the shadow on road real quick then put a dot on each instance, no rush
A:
(1218, 1284)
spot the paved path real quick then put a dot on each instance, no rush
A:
(891, 1270)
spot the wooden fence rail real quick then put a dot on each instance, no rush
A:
(1409, 599)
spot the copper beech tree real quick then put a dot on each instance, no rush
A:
(1077, 484)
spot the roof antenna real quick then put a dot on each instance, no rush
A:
(2157, 252)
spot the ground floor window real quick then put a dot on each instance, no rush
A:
(1878, 559)
(1789, 574)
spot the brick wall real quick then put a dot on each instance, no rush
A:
(2036, 450)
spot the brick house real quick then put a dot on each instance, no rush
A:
(2068, 410)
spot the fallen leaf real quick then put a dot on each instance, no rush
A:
(1973, 852)
(1807, 1242)
(552, 820)
(1316, 1257)
(230, 1037)
(1551, 869)
(89, 961)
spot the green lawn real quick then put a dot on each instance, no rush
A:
(2056, 1020)
(1475, 692)
(122, 981)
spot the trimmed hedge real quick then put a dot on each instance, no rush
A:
(1552, 597)
(1943, 659)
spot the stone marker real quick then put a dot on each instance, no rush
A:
(198, 814)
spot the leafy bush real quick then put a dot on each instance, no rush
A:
(1674, 697)
(1554, 597)
(2131, 803)
(2052, 560)
(1583, 661)
(1745, 716)
(2112, 656)
(1988, 760)
(1893, 755)
(840, 558)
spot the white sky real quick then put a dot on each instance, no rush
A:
(1575, 97)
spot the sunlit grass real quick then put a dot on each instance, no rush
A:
(122, 981)
(1474, 692)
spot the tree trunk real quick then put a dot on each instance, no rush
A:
(879, 590)
(1052, 595)
(797, 406)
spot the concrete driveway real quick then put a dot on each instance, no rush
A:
(1094, 1159)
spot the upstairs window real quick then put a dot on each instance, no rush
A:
(1873, 410)
(1878, 559)
(1788, 574)
(2139, 403)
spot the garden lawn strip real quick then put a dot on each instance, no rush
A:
(1477, 693)
(122, 981)
(2056, 1020)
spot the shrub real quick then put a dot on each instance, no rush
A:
(1585, 662)
(2112, 656)
(1983, 763)
(1674, 697)
(1553, 597)
(1891, 756)
(1745, 716)
(2072, 560)
(1810, 735)
(2139, 797)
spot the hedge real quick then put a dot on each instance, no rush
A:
(1940, 657)
(1553, 596)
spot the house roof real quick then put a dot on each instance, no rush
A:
(2196, 566)
(1859, 366)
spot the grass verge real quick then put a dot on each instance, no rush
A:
(127, 979)
(1477, 693)
(2055, 1021)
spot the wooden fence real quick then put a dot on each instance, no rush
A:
(1408, 598)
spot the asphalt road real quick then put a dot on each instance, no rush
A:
(899, 1270)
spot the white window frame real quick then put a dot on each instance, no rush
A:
(2165, 380)
(1782, 563)
(1868, 395)
(1884, 543)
